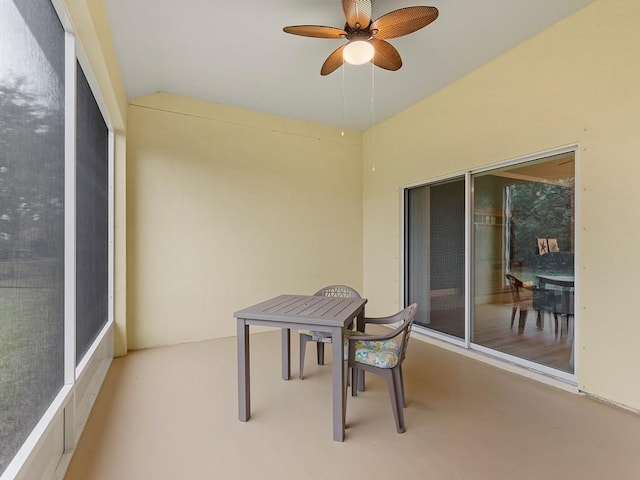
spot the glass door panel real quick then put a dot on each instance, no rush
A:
(435, 255)
(523, 261)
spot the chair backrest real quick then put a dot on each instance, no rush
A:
(542, 298)
(515, 285)
(404, 320)
(408, 315)
(341, 291)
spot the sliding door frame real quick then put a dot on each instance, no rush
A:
(466, 343)
(460, 342)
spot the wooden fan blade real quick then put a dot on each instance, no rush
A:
(386, 55)
(317, 31)
(403, 21)
(357, 13)
(333, 61)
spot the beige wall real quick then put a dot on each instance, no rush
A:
(228, 207)
(212, 190)
(577, 82)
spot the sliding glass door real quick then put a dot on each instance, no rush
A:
(520, 238)
(523, 247)
(435, 255)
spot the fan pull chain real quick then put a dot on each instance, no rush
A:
(373, 119)
(343, 99)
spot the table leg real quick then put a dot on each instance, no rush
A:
(360, 321)
(360, 326)
(566, 299)
(244, 391)
(286, 353)
(339, 384)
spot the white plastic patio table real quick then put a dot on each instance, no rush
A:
(327, 314)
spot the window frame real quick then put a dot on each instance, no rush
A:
(47, 450)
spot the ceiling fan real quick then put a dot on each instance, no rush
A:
(366, 38)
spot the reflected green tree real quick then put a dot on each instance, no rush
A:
(540, 210)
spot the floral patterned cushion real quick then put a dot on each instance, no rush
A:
(382, 354)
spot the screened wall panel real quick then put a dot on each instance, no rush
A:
(32, 96)
(92, 213)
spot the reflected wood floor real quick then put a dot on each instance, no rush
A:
(538, 343)
(171, 412)
(492, 329)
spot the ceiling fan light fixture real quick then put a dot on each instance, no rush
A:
(367, 38)
(358, 52)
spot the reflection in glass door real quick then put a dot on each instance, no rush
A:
(523, 261)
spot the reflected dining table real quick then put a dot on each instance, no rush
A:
(566, 283)
(302, 312)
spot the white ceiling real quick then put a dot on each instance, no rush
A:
(235, 53)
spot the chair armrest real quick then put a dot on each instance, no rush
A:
(379, 337)
(378, 320)
(382, 320)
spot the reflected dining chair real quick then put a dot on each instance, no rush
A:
(383, 355)
(519, 303)
(321, 338)
(560, 303)
(539, 299)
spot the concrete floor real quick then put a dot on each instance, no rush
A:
(171, 413)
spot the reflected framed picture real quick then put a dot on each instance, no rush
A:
(543, 246)
(553, 245)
